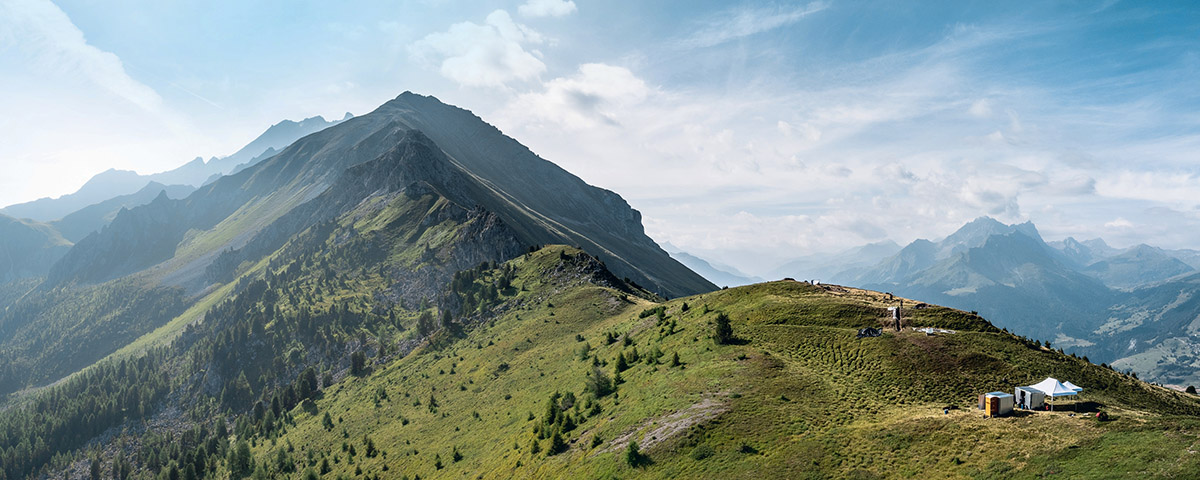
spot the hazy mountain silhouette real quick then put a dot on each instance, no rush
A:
(114, 183)
(28, 248)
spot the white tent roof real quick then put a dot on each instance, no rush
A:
(1073, 386)
(1053, 388)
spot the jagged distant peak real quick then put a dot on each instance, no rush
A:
(983, 224)
(985, 220)
(982, 227)
(314, 119)
(1029, 229)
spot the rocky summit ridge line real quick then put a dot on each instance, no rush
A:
(539, 200)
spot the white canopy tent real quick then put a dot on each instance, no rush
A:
(1054, 389)
(1073, 386)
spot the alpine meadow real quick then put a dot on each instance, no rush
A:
(826, 239)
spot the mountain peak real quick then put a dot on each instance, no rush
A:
(412, 140)
(975, 232)
(981, 224)
(408, 100)
(984, 219)
(1028, 229)
(315, 120)
(110, 176)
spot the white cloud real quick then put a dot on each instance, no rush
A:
(596, 95)
(546, 8)
(488, 55)
(1119, 223)
(1174, 189)
(42, 31)
(743, 22)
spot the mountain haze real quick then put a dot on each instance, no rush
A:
(28, 248)
(112, 183)
(78, 224)
(275, 138)
(1139, 265)
(719, 275)
(843, 266)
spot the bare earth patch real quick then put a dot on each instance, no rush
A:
(657, 430)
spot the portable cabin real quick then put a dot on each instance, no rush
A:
(1029, 398)
(998, 404)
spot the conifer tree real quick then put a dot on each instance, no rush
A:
(723, 332)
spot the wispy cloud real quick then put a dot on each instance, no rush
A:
(42, 31)
(746, 21)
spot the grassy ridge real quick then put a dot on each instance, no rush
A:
(797, 397)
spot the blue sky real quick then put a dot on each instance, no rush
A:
(748, 133)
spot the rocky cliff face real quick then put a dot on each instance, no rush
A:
(543, 202)
(136, 239)
(412, 169)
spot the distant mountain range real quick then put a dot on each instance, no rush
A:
(721, 275)
(80, 223)
(845, 264)
(69, 218)
(1131, 307)
(113, 183)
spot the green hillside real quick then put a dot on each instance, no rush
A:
(795, 396)
(366, 304)
(549, 366)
